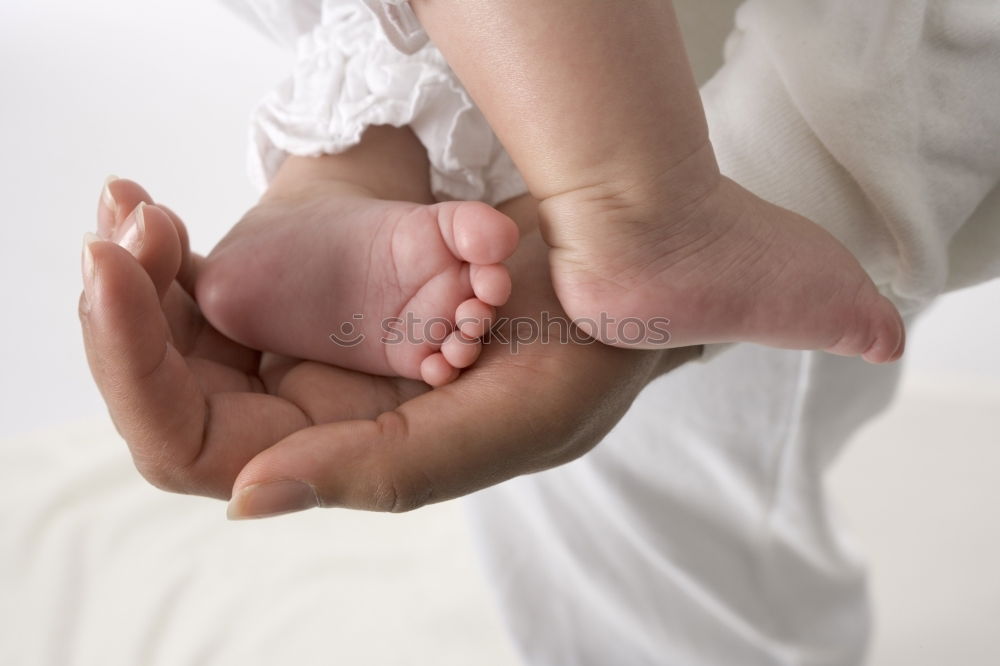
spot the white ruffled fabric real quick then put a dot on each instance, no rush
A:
(399, 23)
(349, 76)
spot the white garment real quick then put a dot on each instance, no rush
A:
(348, 76)
(697, 533)
(401, 26)
(879, 120)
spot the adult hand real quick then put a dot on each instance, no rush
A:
(204, 415)
(194, 406)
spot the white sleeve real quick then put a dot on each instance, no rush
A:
(367, 63)
(877, 119)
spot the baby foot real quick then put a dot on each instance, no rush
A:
(382, 287)
(729, 267)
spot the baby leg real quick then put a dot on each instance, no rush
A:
(598, 107)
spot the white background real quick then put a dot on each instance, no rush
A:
(159, 91)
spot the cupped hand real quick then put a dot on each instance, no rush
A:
(204, 415)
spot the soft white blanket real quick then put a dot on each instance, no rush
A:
(99, 568)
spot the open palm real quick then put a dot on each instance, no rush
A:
(205, 415)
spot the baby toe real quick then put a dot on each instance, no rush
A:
(491, 283)
(436, 371)
(461, 351)
(474, 317)
(889, 334)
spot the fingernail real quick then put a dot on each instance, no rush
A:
(133, 235)
(271, 499)
(109, 202)
(87, 267)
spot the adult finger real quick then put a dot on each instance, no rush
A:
(119, 199)
(181, 439)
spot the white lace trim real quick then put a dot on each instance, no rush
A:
(348, 76)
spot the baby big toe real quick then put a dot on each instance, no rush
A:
(878, 332)
(481, 234)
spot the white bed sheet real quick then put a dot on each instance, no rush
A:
(97, 568)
